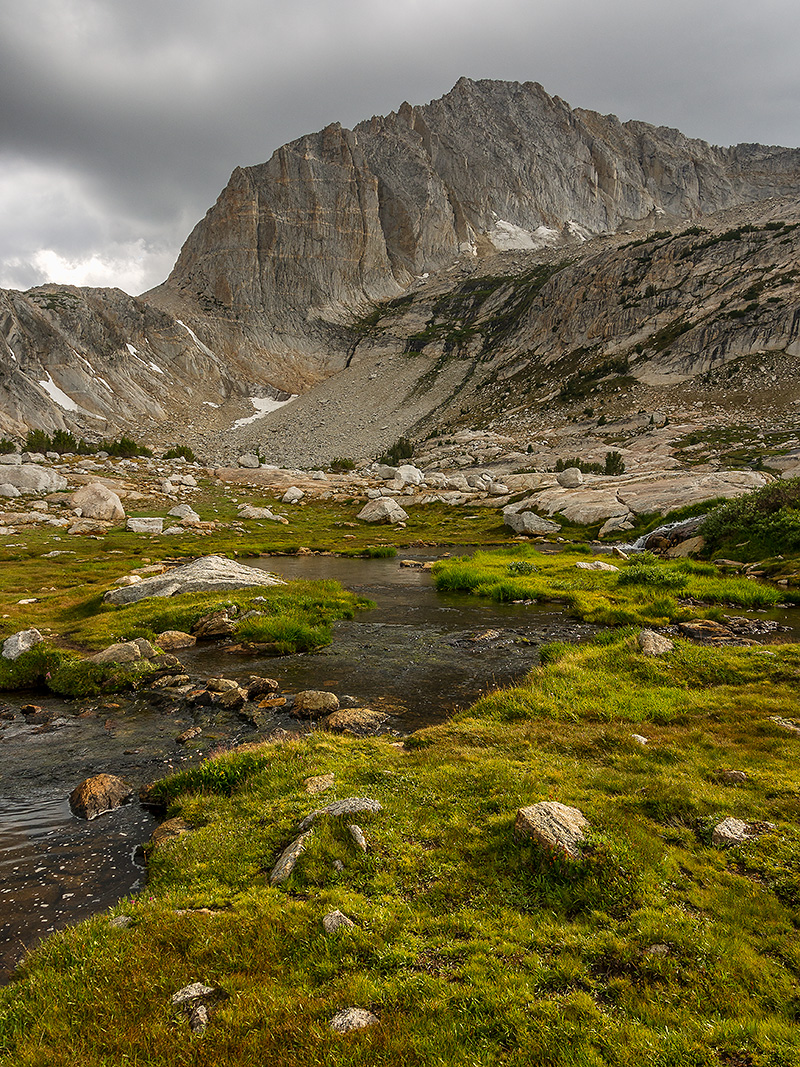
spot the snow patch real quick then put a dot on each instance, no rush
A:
(196, 339)
(58, 395)
(156, 367)
(131, 349)
(210, 404)
(263, 405)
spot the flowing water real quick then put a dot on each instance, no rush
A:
(417, 656)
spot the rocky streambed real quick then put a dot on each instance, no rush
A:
(412, 660)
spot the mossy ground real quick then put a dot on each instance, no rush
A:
(650, 593)
(470, 947)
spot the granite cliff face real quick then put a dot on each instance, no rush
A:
(338, 224)
(343, 217)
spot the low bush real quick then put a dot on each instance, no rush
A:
(762, 523)
(179, 452)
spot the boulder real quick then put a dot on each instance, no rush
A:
(528, 522)
(185, 513)
(249, 460)
(653, 644)
(408, 474)
(314, 703)
(293, 495)
(146, 524)
(11, 459)
(169, 829)
(570, 478)
(692, 546)
(9, 491)
(595, 565)
(169, 640)
(259, 687)
(385, 509)
(556, 827)
(93, 796)
(97, 501)
(214, 626)
(358, 721)
(210, 573)
(30, 478)
(249, 511)
(20, 642)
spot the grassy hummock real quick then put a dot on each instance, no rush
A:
(471, 948)
(643, 591)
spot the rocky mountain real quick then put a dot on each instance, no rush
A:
(493, 235)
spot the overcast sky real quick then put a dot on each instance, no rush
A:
(121, 120)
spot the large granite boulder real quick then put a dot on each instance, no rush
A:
(384, 509)
(528, 522)
(97, 501)
(556, 827)
(22, 641)
(31, 478)
(211, 574)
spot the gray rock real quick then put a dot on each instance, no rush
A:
(352, 1019)
(349, 806)
(337, 920)
(653, 644)
(146, 525)
(185, 513)
(97, 501)
(293, 495)
(595, 565)
(528, 522)
(210, 573)
(121, 652)
(11, 459)
(20, 642)
(249, 460)
(314, 703)
(570, 478)
(384, 510)
(288, 859)
(251, 512)
(8, 490)
(357, 835)
(556, 827)
(731, 832)
(30, 478)
(408, 474)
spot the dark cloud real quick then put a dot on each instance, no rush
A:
(122, 119)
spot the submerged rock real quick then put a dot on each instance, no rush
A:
(314, 703)
(93, 796)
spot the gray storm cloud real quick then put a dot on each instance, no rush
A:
(122, 119)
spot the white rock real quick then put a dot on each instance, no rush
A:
(249, 460)
(22, 641)
(408, 474)
(293, 495)
(571, 478)
(151, 525)
(595, 565)
(213, 573)
(97, 501)
(384, 510)
(557, 827)
(184, 512)
(337, 920)
(30, 478)
(653, 644)
(8, 490)
(352, 1019)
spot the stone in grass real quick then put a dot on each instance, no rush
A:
(125, 652)
(595, 565)
(732, 832)
(121, 922)
(348, 806)
(170, 829)
(359, 721)
(150, 524)
(288, 858)
(208, 574)
(382, 510)
(314, 703)
(319, 783)
(169, 640)
(97, 501)
(732, 777)
(22, 641)
(653, 644)
(193, 1002)
(352, 1019)
(556, 827)
(102, 792)
(337, 920)
(357, 835)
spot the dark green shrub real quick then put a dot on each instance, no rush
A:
(654, 576)
(179, 452)
(7, 446)
(401, 450)
(614, 463)
(38, 441)
(521, 566)
(340, 464)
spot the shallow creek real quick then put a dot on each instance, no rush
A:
(417, 656)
